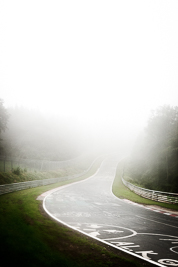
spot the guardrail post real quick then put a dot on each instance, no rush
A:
(152, 194)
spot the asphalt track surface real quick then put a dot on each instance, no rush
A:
(90, 207)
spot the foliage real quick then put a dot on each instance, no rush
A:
(121, 191)
(19, 175)
(154, 160)
(17, 171)
(34, 135)
(3, 117)
(11, 177)
(3, 122)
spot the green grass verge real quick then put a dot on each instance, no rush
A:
(29, 237)
(121, 191)
(23, 176)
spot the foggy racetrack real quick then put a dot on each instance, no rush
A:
(91, 208)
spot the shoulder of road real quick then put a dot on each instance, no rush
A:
(155, 208)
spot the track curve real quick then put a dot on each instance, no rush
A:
(90, 207)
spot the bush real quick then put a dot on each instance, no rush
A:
(17, 171)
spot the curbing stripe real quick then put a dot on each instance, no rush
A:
(155, 210)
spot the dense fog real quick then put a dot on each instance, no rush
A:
(79, 76)
(32, 134)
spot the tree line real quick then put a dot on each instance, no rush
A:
(153, 163)
(29, 134)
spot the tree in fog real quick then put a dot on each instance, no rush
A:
(154, 161)
(3, 117)
(162, 137)
(3, 121)
(34, 135)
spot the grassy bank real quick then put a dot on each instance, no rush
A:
(22, 175)
(121, 191)
(18, 174)
(30, 238)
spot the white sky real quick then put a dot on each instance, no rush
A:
(103, 61)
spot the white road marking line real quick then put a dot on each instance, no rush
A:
(172, 249)
(145, 254)
(168, 262)
(94, 234)
(114, 238)
(129, 247)
(95, 226)
(113, 231)
(87, 229)
(170, 240)
(156, 234)
(68, 225)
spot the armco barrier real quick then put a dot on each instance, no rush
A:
(151, 194)
(7, 163)
(8, 188)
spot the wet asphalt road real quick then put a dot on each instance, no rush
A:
(90, 207)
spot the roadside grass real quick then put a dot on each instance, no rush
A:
(121, 191)
(29, 237)
(24, 175)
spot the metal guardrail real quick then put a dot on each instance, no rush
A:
(159, 196)
(9, 163)
(8, 188)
